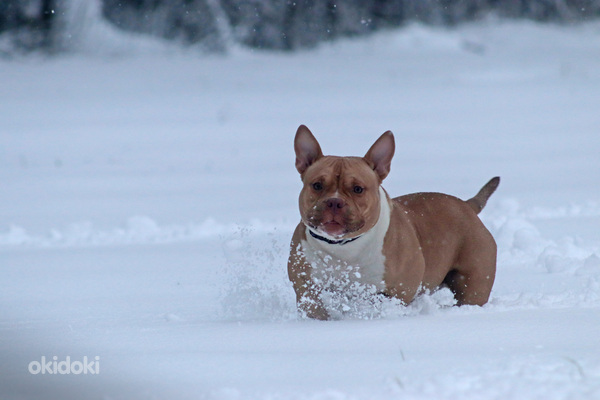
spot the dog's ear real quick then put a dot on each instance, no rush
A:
(307, 149)
(380, 155)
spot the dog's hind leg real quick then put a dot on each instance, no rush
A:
(472, 278)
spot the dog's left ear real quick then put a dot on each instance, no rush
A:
(380, 155)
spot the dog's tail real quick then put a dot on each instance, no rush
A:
(478, 202)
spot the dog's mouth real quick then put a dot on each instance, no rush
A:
(334, 229)
(342, 224)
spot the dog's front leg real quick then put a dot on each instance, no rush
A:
(310, 304)
(308, 298)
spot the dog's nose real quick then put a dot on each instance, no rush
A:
(335, 203)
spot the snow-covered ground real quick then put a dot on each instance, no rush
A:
(148, 197)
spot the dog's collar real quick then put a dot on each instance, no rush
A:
(330, 241)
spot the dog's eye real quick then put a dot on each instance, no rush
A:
(318, 186)
(358, 189)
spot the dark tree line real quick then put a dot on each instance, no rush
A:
(271, 24)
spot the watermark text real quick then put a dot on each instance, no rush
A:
(53, 366)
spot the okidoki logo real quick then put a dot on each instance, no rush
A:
(66, 366)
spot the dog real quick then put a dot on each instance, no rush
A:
(401, 246)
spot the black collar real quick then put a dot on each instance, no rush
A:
(324, 239)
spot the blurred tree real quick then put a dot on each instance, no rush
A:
(29, 22)
(267, 24)
(257, 23)
(188, 21)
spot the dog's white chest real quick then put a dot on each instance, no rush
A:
(360, 261)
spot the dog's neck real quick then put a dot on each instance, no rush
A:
(341, 242)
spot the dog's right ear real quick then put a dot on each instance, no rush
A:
(307, 149)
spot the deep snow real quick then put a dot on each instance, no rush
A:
(149, 196)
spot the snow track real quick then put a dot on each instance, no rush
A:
(254, 257)
(136, 230)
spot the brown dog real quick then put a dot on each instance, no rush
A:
(398, 246)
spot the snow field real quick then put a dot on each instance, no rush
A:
(231, 333)
(149, 201)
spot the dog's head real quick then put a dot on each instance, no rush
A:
(340, 196)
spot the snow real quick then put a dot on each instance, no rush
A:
(149, 196)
